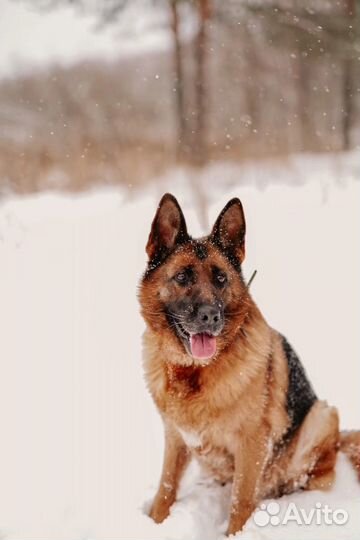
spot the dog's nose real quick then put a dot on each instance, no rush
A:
(208, 315)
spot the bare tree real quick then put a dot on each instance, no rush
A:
(181, 142)
(348, 85)
(191, 129)
(201, 83)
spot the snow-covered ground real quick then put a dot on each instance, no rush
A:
(81, 442)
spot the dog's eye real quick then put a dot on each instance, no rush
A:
(181, 277)
(221, 279)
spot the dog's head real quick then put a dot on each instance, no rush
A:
(193, 293)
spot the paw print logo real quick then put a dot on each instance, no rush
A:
(267, 513)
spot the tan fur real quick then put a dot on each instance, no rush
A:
(229, 413)
(309, 460)
(350, 445)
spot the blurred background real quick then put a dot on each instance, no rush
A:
(115, 91)
(104, 106)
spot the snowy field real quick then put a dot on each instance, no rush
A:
(81, 444)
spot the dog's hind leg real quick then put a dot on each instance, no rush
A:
(350, 445)
(308, 461)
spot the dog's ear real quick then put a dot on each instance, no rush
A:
(229, 229)
(168, 228)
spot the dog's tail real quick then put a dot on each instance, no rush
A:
(350, 445)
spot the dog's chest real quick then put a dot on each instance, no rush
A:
(192, 407)
(210, 450)
(193, 439)
(189, 409)
(190, 413)
(183, 381)
(201, 427)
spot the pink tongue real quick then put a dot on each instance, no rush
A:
(202, 345)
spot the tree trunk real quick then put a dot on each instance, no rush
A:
(253, 79)
(181, 137)
(347, 103)
(199, 146)
(301, 78)
(348, 83)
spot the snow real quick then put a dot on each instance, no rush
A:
(82, 443)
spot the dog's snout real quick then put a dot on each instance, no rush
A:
(209, 314)
(209, 318)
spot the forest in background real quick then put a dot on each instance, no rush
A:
(242, 80)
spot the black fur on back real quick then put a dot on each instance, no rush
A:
(300, 394)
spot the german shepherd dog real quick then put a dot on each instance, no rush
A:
(230, 389)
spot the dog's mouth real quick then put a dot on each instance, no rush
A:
(201, 345)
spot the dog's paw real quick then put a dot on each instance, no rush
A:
(159, 511)
(238, 519)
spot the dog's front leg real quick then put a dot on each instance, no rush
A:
(249, 466)
(176, 458)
